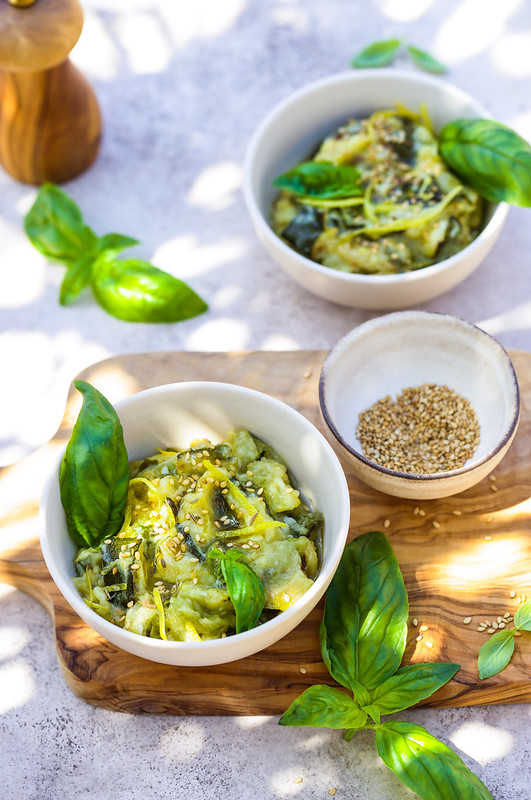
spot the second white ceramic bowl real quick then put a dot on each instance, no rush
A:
(291, 132)
(173, 416)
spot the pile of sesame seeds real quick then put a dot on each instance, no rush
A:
(425, 430)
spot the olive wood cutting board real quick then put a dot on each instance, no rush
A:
(464, 556)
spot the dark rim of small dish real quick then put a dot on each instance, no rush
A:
(428, 476)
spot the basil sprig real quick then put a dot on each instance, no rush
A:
(321, 179)
(94, 475)
(131, 290)
(245, 588)
(490, 157)
(363, 638)
(382, 53)
(497, 652)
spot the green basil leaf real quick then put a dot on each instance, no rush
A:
(94, 475)
(364, 627)
(324, 707)
(77, 277)
(522, 617)
(112, 244)
(54, 225)
(427, 766)
(425, 60)
(245, 588)
(410, 685)
(136, 291)
(321, 179)
(495, 654)
(373, 711)
(489, 157)
(377, 54)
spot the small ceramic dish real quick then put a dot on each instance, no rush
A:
(290, 133)
(173, 416)
(409, 349)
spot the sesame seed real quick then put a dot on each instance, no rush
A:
(415, 621)
(436, 524)
(297, 780)
(491, 630)
(302, 670)
(456, 512)
(423, 628)
(467, 620)
(387, 523)
(429, 644)
(512, 594)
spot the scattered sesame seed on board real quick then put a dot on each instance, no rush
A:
(415, 621)
(303, 670)
(423, 628)
(467, 620)
(429, 644)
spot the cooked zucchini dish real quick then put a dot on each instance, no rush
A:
(377, 198)
(216, 540)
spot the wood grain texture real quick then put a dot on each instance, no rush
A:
(460, 557)
(50, 124)
(50, 121)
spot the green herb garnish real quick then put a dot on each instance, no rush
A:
(94, 475)
(496, 654)
(425, 60)
(131, 290)
(320, 179)
(377, 54)
(245, 588)
(382, 53)
(363, 638)
(492, 159)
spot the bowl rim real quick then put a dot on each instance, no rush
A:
(74, 599)
(496, 221)
(422, 476)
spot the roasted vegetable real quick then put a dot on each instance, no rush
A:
(215, 539)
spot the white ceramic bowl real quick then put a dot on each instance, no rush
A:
(172, 416)
(410, 348)
(293, 129)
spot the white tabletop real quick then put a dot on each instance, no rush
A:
(181, 87)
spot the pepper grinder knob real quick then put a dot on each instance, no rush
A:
(50, 122)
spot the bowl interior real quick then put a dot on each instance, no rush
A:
(175, 415)
(406, 349)
(291, 132)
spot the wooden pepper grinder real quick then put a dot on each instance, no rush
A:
(50, 122)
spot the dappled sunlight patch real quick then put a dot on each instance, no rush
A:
(482, 563)
(30, 359)
(512, 54)
(216, 186)
(472, 28)
(185, 258)
(404, 12)
(17, 685)
(220, 335)
(484, 743)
